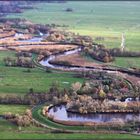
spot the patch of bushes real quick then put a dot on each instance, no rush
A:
(19, 61)
(119, 53)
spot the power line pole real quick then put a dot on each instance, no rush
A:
(123, 42)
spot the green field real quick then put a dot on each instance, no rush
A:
(16, 80)
(11, 131)
(15, 109)
(67, 136)
(126, 62)
(98, 19)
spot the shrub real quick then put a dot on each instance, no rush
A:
(76, 86)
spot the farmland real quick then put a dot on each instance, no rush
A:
(93, 18)
(96, 20)
(25, 92)
(16, 80)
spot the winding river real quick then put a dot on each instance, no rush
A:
(33, 39)
(46, 62)
(60, 113)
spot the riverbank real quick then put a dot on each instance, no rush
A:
(37, 83)
(105, 27)
(37, 115)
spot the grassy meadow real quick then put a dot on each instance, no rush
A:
(104, 19)
(15, 109)
(20, 135)
(16, 80)
(11, 131)
(97, 18)
(107, 20)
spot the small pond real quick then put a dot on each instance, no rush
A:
(60, 113)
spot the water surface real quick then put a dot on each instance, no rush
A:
(60, 113)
